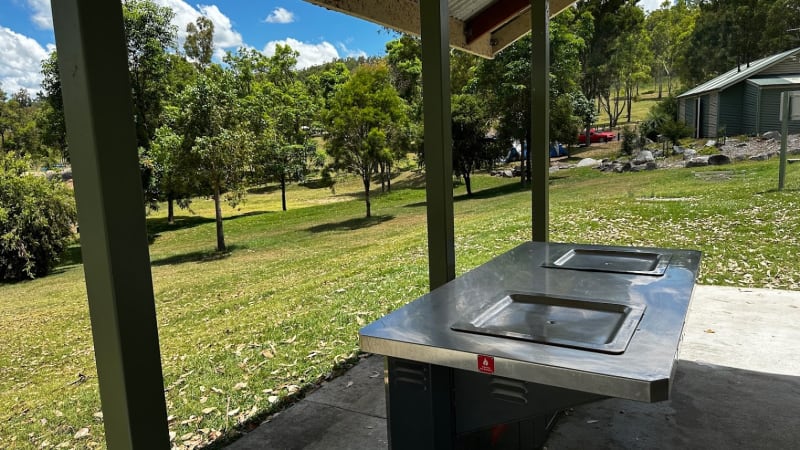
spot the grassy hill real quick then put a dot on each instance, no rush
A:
(241, 333)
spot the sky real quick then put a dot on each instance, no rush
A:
(26, 33)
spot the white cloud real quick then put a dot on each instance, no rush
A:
(351, 53)
(225, 36)
(280, 15)
(42, 14)
(651, 5)
(21, 62)
(310, 54)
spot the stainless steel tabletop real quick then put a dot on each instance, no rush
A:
(420, 331)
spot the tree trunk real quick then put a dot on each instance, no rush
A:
(218, 210)
(170, 210)
(468, 184)
(389, 176)
(630, 101)
(366, 180)
(283, 191)
(382, 167)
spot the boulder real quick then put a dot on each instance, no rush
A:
(651, 165)
(689, 154)
(759, 157)
(588, 162)
(644, 157)
(771, 135)
(698, 161)
(678, 150)
(718, 160)
(711, 143)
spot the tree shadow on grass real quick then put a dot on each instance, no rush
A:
(201, 256)
(158, 225)
(351, 224)
(266, 189)
(496, 191)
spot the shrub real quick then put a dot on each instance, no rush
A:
(36, 219)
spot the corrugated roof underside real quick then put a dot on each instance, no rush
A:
(736, 75)
(464, 10)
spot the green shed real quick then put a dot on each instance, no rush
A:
(744, 100)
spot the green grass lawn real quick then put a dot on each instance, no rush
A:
(243, 333)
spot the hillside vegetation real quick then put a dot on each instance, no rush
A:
(245, 331)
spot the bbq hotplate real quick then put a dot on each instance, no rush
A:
(601, 326)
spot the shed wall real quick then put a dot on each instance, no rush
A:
(770, 119)
(710, 114)
(690, 103)
(731, 110)
(749, 109)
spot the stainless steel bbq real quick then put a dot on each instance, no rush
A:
(488, 359)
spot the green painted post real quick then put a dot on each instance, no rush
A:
(786, 102)
(99, 116)
(540, 119)
(435, 31)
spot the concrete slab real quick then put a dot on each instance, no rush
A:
(346, 413)
(737, 383)
(737, 386)
(752, 329)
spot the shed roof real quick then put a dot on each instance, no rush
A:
(481, 27)
(782, 80)
(736, 75)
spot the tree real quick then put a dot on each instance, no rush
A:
(669, 27)
(36, 220)
(217, 140)
(149, 34)
(282, 113)
(364, 113)
(51, 119)
(471, 147)
(199, 44)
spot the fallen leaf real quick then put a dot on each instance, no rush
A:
(233, 412)
(349, 383)
(172, 435)
(208, 410)
(187, 436)
(710, 331)
(239, 386)
(217, 390)
(272, 398)
(98, 415)
(267, 354)
(82, 433)
(375, 374)
(592, 421)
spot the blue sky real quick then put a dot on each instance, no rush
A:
(26, 32)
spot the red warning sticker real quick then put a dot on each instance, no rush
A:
(486, 364)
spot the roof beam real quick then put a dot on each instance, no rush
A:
(492, 17)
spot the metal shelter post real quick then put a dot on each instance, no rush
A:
(435, 33)
(99, 116)
(540, 119)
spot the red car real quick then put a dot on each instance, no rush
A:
(596, 136)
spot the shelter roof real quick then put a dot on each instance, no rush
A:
(481, 27)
